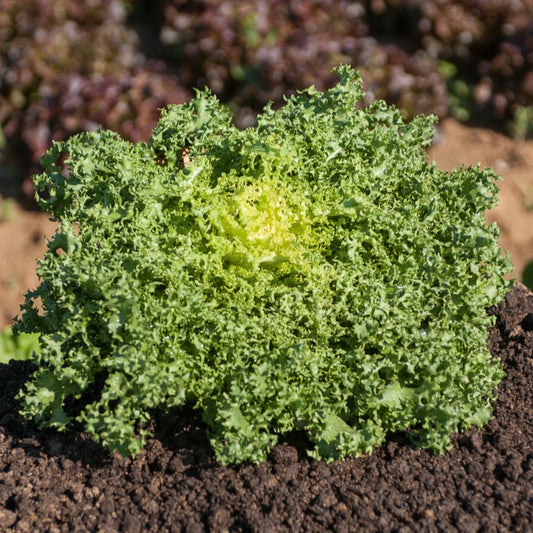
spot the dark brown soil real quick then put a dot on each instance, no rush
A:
(65, 482)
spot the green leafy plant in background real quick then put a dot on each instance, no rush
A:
(20, 347)
(312, 273)
(6, 209)
(521, 126)
(527, 275)
(460, 92)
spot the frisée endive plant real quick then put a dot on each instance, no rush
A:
(313, 273)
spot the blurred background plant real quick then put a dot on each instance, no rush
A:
(521, 126)
(67, 66)
(527, 276)
(254, 51)
(18, 347)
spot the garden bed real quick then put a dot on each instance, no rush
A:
(65, 482)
